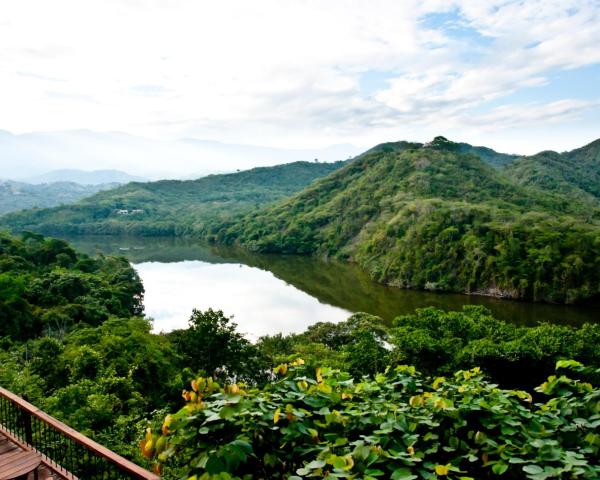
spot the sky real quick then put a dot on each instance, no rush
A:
(518, 76)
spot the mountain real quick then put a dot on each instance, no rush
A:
(84, 177)
(496, 159)
(36, 153)
(432, 217)
(173, 207)
(19, 196)
(575, 173)
(489, 156)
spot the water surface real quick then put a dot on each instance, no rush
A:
(267, 294)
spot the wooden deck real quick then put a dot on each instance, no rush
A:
(6, 446)
(66, 454)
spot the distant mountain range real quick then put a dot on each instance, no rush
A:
(33, 154)
(83, 177)
(16, 196)
(438, 216)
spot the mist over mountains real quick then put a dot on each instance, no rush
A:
(33, 154)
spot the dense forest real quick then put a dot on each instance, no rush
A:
(431, 217)
(78, 346)
(172, 207)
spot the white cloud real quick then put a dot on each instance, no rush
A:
(281, 72)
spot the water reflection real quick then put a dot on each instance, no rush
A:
(260, 302)
(271, 293)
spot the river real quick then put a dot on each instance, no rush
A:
(268, 294)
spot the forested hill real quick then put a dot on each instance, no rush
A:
(173, 207)
(489, 156)
(430, 217)
(575, 173)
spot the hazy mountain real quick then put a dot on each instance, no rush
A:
(83, 177)
(31, 154)
(18, 196)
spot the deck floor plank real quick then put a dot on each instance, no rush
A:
(9, 450)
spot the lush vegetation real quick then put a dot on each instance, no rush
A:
(19, 196)
(46, 287)
(172, 207)
(431, 217)
(102, 381)
(400, 425)
(437, 342)
(75, 343)
(575, 173)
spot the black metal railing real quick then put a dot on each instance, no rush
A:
(64, 450)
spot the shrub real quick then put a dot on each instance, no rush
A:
(400, 425)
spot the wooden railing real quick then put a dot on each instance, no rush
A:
(64, 450)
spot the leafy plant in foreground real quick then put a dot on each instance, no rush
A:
(401, 425)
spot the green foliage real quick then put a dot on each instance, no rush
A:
(211, 344)
(575, 174)
(99, 380)
(172, 207)
(400, 425)
(432, 217)
(357, 344)
(45, 286)
(440, 342)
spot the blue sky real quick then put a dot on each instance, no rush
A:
(519, 76)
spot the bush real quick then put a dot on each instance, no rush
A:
(401, 425)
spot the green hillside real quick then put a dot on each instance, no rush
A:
(430, 217)
(575, 173)
(19, 196)
(172, 207)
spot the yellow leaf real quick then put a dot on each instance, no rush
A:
(276, 415)
(319, 376)
(302, 385)
(438, 381)
(166, 424)
(148, 446)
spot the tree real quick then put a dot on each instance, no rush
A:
(213, 345)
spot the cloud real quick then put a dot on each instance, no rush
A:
(513, 116)
(286, 72)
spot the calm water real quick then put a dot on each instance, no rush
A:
(281, 293)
